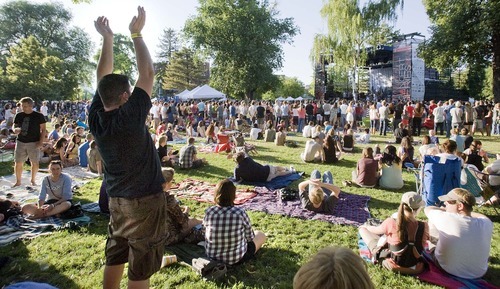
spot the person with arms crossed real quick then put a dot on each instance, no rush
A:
(29, 125)
(133, 177)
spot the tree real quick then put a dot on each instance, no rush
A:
(185, 71)
(169, 43)
(285, 86)
(351, 29)
(48, 24)
(244, 39)
(31, 71)
(464, 32)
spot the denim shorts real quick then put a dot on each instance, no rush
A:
(136, 234)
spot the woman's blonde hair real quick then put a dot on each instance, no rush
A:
(316, 195)
(333, 268)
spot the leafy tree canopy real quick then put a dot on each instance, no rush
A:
(244, 38)
(465, 32)
(48, 24)
(185, 71)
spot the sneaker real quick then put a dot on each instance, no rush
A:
(292, 169)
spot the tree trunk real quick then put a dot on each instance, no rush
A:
(496, 64)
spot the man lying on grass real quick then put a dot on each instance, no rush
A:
(248, 170)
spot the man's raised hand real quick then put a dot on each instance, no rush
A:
(102, 26)
(138, 21)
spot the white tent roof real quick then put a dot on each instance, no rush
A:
(203, 92)
(290, 98)
(183, 93)
(280, 98)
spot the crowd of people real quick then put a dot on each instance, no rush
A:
(144, 216)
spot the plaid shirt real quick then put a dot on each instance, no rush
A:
(227, 231)
(186, 156)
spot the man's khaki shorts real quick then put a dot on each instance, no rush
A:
(136, 234)
(25, 150)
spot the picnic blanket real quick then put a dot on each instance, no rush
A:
(79, 177)
(186, 252)
(276, 183)
(350, 210)
(203, 191)
(437, 276)
(30, 229)
(6, 156)
(91, 207)
(433, 275)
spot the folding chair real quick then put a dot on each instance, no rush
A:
(439, 176)
(473, 180)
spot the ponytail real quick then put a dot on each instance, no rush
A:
(403, 221)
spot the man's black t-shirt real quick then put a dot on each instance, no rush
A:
(309, 109)
(261, 111)
(251, 171)
(30, 126)
(131, 164)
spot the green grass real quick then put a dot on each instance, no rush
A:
(75, 259)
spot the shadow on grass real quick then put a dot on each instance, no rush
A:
(21, 268)
(266, 268)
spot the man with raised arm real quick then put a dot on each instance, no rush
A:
(132, 168)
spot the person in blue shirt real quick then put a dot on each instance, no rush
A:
(82, 150)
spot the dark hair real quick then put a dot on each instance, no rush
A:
(449, 146)
(56, 162)
(390, 156)
(239, 157)
(59, 143)
(111, 86)
(225, 193)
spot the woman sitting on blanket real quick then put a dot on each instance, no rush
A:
(55, 194)
(180, 226)
(391, 169)
(319, 195)
(248, 170)
(399, 233)
(229, 237)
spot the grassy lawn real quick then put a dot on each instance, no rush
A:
(75, 259)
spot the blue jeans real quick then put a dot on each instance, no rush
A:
(383, 126)
(448, 128)
(300, 125)
(327, 179)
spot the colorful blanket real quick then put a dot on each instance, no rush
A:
(276, 183)
(203, 192)
(434, 274)
(437, 276)
(350, 210)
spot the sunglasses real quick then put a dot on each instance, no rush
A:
(452, 202)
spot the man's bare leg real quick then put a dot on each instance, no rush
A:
(34, 171)
(144, 284)
(18, 168)
(112, 276)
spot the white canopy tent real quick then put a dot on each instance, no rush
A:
(183, 93)
(203, 92)
(290, 98)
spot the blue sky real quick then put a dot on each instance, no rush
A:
(173, 13)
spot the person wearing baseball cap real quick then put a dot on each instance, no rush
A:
(405, 235)
(464, 241)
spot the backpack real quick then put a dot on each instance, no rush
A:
(406, 254)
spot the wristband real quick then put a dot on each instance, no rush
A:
(136, 35)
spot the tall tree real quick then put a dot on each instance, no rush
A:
(352, 28)
(244, 39)
(48, 24)
(31, 71)
(185, 71)
(465, 32)
(169, 43)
